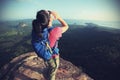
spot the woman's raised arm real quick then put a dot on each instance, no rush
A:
(64, 25)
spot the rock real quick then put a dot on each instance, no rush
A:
(30, 67)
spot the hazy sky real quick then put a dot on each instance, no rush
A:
(104, 10)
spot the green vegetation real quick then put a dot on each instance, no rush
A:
(90, 46)
(14, 40)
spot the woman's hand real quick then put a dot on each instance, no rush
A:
(55, 14)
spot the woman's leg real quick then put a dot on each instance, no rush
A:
(53, 65)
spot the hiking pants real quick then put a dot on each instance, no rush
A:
(53, 67)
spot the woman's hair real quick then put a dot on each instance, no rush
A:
(41, 22)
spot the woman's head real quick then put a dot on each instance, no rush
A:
(42, 21)
(43, 17)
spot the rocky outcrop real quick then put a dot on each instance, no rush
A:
(30, 67)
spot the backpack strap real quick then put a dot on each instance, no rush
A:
(48, 47)
(47, 42)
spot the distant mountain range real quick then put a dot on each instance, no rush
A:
(111, 24)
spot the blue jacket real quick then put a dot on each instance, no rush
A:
(39, 45)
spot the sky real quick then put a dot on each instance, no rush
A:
(103, 10)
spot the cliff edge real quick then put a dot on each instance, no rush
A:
(30, 67)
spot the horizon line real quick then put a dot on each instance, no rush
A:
(63, 18)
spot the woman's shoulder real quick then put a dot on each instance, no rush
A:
(54, 35)
(56, 30)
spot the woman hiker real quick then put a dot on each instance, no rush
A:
(45, 38)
